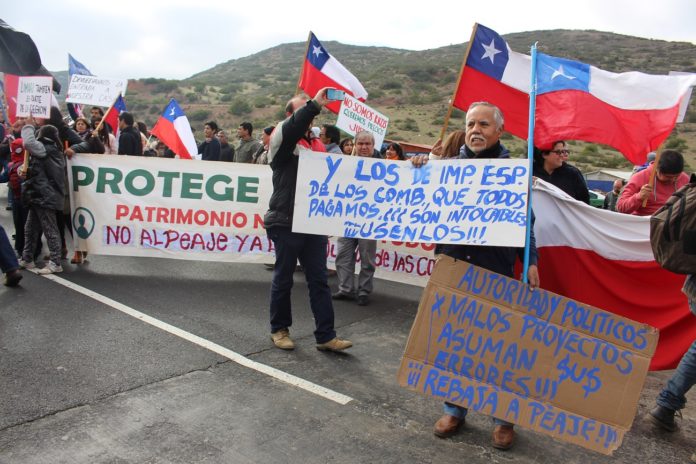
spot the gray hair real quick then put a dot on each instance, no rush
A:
(365, 133)
(497, 114)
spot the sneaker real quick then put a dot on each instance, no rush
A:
(335, 345)
(26, 264)
(664, 418)
(363, 300)
(50, 268)
(339, 295)
(281, 339)
(12, 278)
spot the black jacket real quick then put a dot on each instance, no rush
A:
(284, 162)
(210, 150)
(129, 142)
(496, 259)
(45, 184)
(567, 178)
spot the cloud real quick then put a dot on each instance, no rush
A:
(178, 38)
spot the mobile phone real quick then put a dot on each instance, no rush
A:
(335, 95)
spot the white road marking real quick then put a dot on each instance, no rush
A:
(202, 342)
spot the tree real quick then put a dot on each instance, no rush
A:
(239, 107)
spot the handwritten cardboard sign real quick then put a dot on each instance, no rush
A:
(93, 90)
(34, 96)
(355, 116)
(533, 358)
(477, 202)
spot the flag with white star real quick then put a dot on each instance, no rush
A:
(632, 112)
(321, 70)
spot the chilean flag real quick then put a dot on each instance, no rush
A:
(111, 116)
(174, 130)
(321, 70)
(604, 259)
(632, 112)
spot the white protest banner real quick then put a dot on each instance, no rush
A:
(476, 202)
(34, 96)
(140, 206)
(93, 90)
(355, 116)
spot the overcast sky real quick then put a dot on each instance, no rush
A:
(177, 38)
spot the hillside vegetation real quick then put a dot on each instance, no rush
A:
(411, 87)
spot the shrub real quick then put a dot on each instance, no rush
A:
(239, 107)
(199, 115)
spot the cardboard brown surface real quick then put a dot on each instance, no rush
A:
(548, 363)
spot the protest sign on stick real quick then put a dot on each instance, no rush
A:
(548, 363)
(93, 90)
(34, 96)
(355, 116)
(476, 202)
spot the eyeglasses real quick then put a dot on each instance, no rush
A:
(560, 152)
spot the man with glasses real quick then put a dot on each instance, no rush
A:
(550, 166)
(669, 178)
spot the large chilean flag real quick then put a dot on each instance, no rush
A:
(321, 70)
(604, 259)
(174, 130)
(632, 112)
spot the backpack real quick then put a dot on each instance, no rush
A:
(673, 231)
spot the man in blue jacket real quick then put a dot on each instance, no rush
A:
(484, 126)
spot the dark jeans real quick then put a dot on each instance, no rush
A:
(311, 251)
(673, 395)
(8, 259)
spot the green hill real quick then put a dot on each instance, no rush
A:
(411, 87)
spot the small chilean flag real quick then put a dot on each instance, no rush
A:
(111, 116)
(321, 70)
(174, 130)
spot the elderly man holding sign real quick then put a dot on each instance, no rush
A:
(484, 126)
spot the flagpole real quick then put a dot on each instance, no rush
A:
(651, 181)
(304, 60)
(107, 112)
(459, 80)
(530, 157)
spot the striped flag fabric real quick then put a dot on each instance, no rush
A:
(604, 259)
(173, 128)
(321, 70)
(632, 112)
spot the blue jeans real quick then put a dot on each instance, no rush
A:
(311, 251)
(460, 413)
(672, 396)
(8, 259)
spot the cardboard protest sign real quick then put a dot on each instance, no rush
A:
(355, 116)
(93, 90)
(477, 202)
(534, 358)
(34, 96)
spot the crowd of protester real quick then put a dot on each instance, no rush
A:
(33, 154)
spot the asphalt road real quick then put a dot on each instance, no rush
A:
(82, 382)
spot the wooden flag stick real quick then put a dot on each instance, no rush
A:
(653, 174)
(304, 60)
(107, 112)
(459, 80)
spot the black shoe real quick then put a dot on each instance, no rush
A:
(12, 278)
(363, 300)
(339, 295)
(663, 418)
